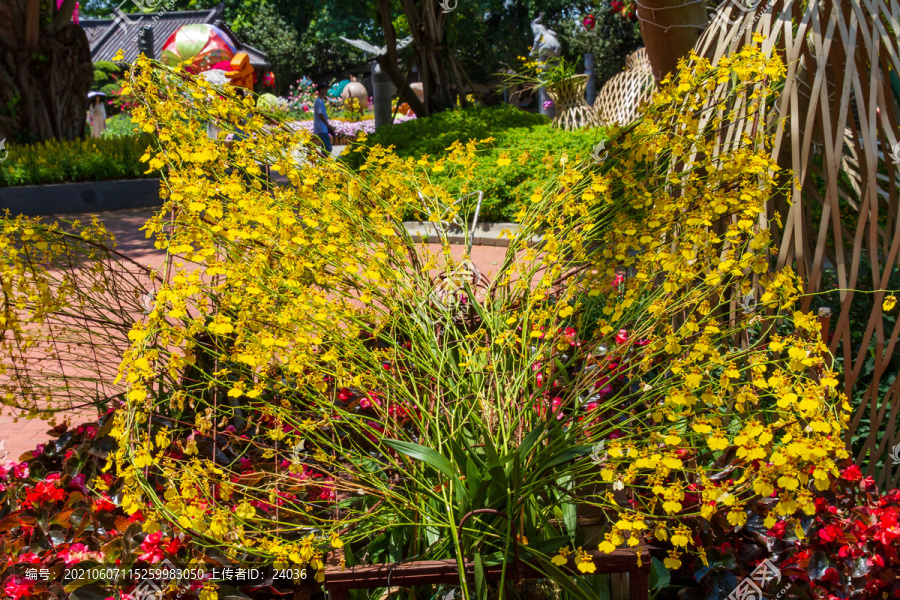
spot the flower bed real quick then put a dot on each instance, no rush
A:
(348, 131)
(78, 160)
(848, 546)
(61, 514)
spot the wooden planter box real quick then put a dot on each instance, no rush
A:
(339, 582)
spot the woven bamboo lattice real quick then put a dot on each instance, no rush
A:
(572, 111)
(619, 99)
(834, 126)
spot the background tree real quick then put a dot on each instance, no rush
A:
(45, 71)
(438, 67)
(270, 33)
(484, 36)
(611, 40)
(488, 36)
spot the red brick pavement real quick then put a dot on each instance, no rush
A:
(22, 436)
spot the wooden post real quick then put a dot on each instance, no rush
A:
(639, 583)
(825, 328)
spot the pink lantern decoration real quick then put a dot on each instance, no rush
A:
(588, 22)
(202, 44)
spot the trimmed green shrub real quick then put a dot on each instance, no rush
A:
(433, 135)
(106, 76)
(527, 138)
(108, 79)
(78, 160)
(120, 125)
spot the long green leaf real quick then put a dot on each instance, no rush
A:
(480, 582)
(426, 455)
(567, 455)
(530, 440)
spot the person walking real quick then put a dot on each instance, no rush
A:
(321, 127)
(97, 113)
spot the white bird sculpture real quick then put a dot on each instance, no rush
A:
(377, 50)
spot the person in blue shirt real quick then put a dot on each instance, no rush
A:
(321, 127)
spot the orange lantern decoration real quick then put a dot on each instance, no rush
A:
(241, 73)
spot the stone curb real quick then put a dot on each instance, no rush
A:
(486, 234)
(103, 196)
(83, 197)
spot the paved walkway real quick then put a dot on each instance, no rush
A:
(17, 438)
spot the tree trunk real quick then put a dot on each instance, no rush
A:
(427, 25)
(433, 56)
(670, 28)
(390, 61)
(45, 72)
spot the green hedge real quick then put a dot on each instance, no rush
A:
(120, 125)
(514, 131)
(72, 161)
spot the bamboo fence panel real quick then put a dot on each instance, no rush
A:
(834, 125)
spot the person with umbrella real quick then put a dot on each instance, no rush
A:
(97, 113)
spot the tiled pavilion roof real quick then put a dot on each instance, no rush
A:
(107, 36)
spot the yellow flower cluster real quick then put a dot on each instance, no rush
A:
(300, 346)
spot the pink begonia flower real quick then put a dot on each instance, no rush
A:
(78, 482)
(328, 491)
(87, 430)
(603, 385)
(18, 587)
(618, 280)
(622, 336)
(29, 558)
(78, 553)
(152, 552)
(376, 427)
(554, 406)
(21, 470)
